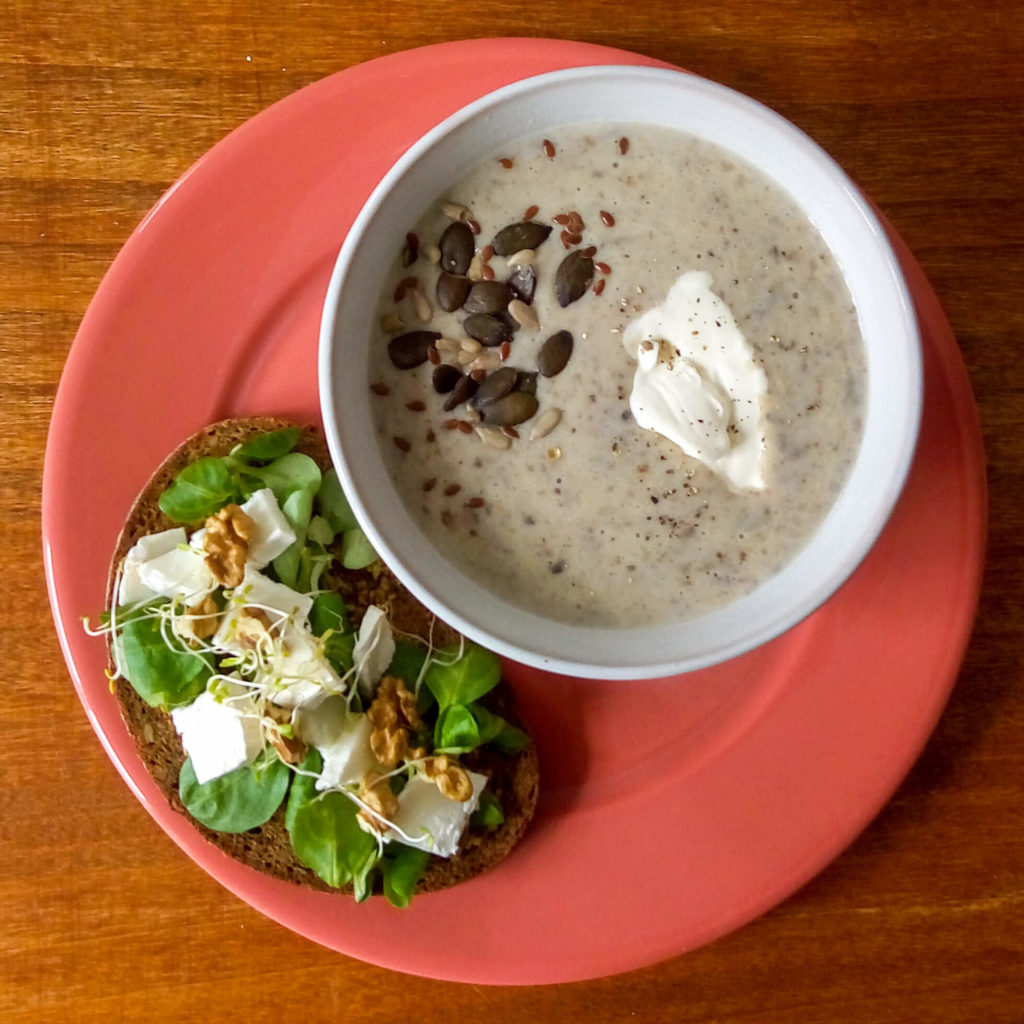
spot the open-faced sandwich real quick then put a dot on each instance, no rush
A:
(284, 689)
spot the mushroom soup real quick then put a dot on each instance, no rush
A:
(619, 377)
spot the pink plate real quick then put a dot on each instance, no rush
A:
(673, 811)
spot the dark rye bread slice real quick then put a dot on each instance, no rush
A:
(514, 780)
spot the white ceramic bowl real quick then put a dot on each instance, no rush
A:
(622, 95)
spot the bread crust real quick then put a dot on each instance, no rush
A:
(514, 780)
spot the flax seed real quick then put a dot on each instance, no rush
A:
(607, 219)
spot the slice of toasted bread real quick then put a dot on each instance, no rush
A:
(514, 780)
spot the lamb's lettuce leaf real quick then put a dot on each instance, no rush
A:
(238, 801)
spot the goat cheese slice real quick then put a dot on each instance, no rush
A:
(297, 674)
(343, 739)
(180, 572)
(434, 821)
(219, 733)
(131, 589)
(273, 533)
(374, 648)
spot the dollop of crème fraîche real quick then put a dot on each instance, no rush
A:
(697, 382)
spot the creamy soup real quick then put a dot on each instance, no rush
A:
(555, 496)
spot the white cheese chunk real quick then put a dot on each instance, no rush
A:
(343, 739)
(374, 648)
(697, 382)
(181, 572)
(297, 674)
(131, 589)
(282, 605)
(219, 733)
(436, 822)
(273, 534)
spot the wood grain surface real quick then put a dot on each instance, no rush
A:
(102, 106)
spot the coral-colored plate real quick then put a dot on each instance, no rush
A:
(673, 811)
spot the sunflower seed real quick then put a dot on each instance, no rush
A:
(524, 315)
(546, 422)
(456, 211)
(493, 438)
(522, 258)
(424, 310)
(391, 323)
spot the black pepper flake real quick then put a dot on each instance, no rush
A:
(557, 567)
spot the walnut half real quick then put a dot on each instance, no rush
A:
(226, 543)
(393, 716)
(379, 798)
(449, 776)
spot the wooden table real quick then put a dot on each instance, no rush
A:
(102, 106)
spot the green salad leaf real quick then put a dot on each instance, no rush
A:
(465, 679)
(291, 473)
(198, 491)
(401, 871)
(270, 445)
(327, 838)
(488, 814)
(238, 801)
(328, 618)
(163, 676)
(334, 506)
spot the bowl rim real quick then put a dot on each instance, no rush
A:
(597, 652)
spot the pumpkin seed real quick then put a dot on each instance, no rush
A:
(410, 349)
(487, 329)
(573, 277)
(526, 235)
(452, 290)
(523, 283)
(444, 378)
(526, 381)
(554, 353)
(457, 248)
(465, 388)
(487, 297)
(515, 407)
(496, 385)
